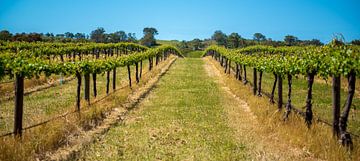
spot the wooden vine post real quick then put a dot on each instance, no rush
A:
(245, 80)
(288, 104)
(137, 72)
(259, 83)
(19, 104)
(273, 89)
(114, 79)
(141, 64)
(336, 104)
(157, 60)
(87, 87)
(280, 92)
(237, 71)
(308, 111)
(94, 75)
(94, 84)
(107, 81)
(254, 81)
(240, 72)
(78, 90)
(229, 67)
(150, 63)
(129, 74)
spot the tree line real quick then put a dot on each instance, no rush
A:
(234, 40)
(98, 35)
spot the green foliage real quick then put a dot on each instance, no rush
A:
(149, 36)
(290, 40)
(324, 61)
(34, 59)
(194, 54)
(259, 37)
(234, 40)
(98, 35)
(5, 35)
(220, 38)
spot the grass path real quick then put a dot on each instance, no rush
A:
(192, 115)
(182, 119)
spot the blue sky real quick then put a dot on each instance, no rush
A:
(187, 19)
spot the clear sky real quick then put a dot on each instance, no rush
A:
(187, 19)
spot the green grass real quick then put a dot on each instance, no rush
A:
(48, 103)
(194, 54)
(322, 97)
(182, 119)
(168, 42)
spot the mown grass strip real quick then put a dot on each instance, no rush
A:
(182, 119)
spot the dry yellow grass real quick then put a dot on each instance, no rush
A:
(35, 142)
(318, 140)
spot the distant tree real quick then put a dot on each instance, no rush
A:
(314, 42)
(149, 36)
(117, 37)
(98, 35)
(220, 38)
(48, 37)
(131, 37)
(290, 40)
(49, 34)
(31, 37)
(234, 40)
(5, 35)
(69, 35)
(79, 36)
(271, 42)
(196, 44)
(122, 35)
(355, 42)
(183, 44)
(60, 35)
(259, 37)
(19, 37)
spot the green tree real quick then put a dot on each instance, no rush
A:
(183, 44)
(116, 37)
(219, 37)
(69, 35)
(233, 40)
(149, 36)
(79, 36)
(5, 35)
(98, 35)
(315, 42)
(355, 42)
(196, 44)
(49, 34)
(131, 37)
(290, 40)
(259, 37)
(60, 35)
(31, 37)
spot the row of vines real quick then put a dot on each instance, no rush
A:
(20, 60)
(333, 61)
